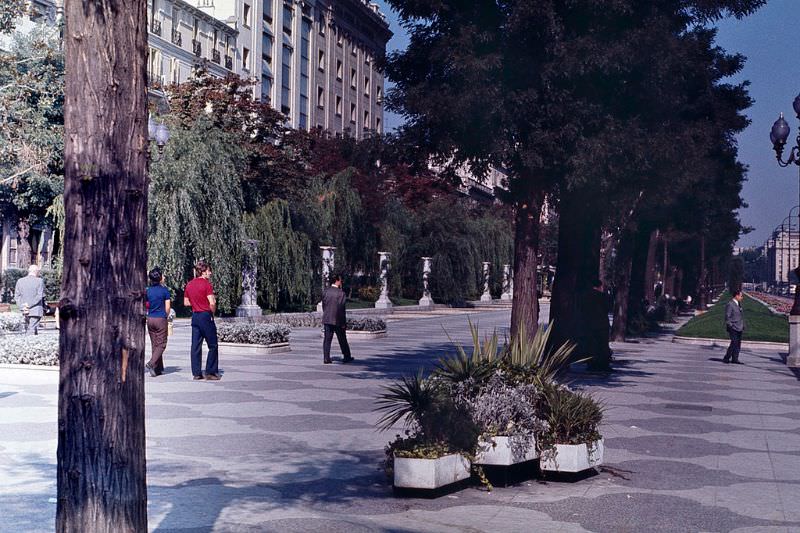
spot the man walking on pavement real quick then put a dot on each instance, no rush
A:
(29, 294)
(334, 320)
(199, 294)
(734, 323)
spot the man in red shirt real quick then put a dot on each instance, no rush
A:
(199, 294)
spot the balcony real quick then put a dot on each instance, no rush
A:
(177, 40)
(229, 62)
(197, 48)
(155, 27)
(216, 57)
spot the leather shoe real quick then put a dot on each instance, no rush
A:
(348, 360)
(727, 362)
(213, 377)
(150, 369)
(198, 378)
(737, 362)
(326, 361)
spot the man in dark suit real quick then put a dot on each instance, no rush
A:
(734, 323)
(334, 320)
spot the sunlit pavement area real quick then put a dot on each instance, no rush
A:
(283, 443)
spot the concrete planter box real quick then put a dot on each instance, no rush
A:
(572, 457)
(497, 452)
(430, 473)
(253, 349)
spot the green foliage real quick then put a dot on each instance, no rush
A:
(10, 276)
(537, 355)
(253, 333)
(31, 123)
(196, 209)
(10, 11)
(476, 367)
(572, 417)
(285, 271)
(52, 284)
(735, 273)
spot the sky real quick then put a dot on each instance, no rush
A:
(770, 41)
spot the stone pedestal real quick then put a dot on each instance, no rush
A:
(426, 299)
(486, 296)
(793, 360)
(384, 302)
(249, 307)
(328, 256)
(508, 288)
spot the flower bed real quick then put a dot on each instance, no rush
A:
(371, 325)
(253, 333)
(778, 303)
(29, 350)
(11, 322)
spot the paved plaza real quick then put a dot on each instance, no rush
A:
(284, 443)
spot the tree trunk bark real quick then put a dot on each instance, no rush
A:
(622, 284)
(578, 263)
(650, 268)
(24, 246)
(525, 306)
(702, 284)
(101, 440)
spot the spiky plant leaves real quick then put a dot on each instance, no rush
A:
(408, 399)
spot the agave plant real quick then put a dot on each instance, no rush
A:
(537, 355)
(408, 400)
(572, 417)
(462, 367)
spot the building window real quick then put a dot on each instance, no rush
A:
(266, 89)
(353, 113)
(246, 58)
(366, 120)
(268, 11)
(353, 79)
(338, 106)
(288, 19)
(366, 86)
(378, 125)
(321, 23)
(321, 63)
(266, 48)
(305, 66)
(339, 36)
(286, 81)
(246, 16)
(353, 48)
(379, 91)
(320, 98)
(339, 69)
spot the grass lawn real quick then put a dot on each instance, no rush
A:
(760, 324)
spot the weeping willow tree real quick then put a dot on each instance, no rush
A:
(285, 272)
(196, 209)
(332, 214)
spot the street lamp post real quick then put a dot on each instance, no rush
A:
(159, 133)
(778, 135)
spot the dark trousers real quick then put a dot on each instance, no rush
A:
(157, 329)
(204, 328)
(340, 335)
(736, 344)
(32, 324)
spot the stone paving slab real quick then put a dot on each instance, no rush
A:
(283, 443)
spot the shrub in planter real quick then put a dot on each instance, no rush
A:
(11, 321)
(573, 420)
(437, 427)
(253, 333)
(29, 349)
(295, 320)
(366, 324)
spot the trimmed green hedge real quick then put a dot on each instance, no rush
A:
(760, 324)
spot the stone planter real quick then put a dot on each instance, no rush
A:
(235, 348)
(497, 452)
(572, 457)
(430, 473)
(361, 335)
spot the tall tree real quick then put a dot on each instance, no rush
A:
(101, 431)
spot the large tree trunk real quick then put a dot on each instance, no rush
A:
(650, 268)
(525, 307)
(702, 284)
(622, 284)
(638, 291)
(101, 439)
(577, 265)
(24, 245)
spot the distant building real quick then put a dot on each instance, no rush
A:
(782, 251)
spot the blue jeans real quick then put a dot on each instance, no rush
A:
(204, 328)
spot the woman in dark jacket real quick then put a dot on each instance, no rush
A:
(158, 307)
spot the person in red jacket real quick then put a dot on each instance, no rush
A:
(199, 294)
